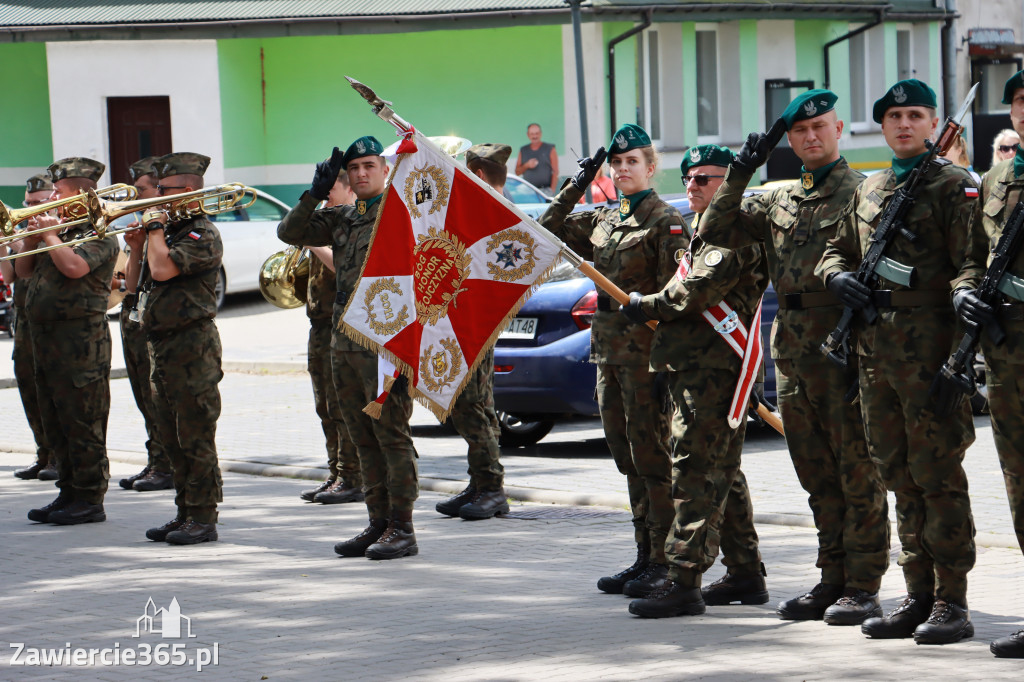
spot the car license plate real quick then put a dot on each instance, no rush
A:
(520, 328)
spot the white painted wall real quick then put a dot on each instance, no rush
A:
(83, 74)
(594, 58)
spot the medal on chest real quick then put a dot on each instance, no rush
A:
(624, 206)
(361, 207)
(807, 181)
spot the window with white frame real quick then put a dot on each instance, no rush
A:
(859, 79)
(904, 54)
(708, 123)
(648, 94)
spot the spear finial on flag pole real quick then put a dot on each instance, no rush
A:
(380, 106)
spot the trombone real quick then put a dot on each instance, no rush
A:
(75, 207)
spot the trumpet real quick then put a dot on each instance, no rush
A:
(75, 208)
(284, 277)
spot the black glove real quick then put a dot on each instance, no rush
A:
(326, 175)
(660, 392)
(971, 308)
(588, 169)
(849, 291)
(948, 394)
(756, 396)
(753, 154)
(633, 311)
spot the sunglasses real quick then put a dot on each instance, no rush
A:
(163, 188)
(1007, 148)
(701, 179)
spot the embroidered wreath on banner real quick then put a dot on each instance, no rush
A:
(418, 194)
(442, 264)
(509, 255)
(440, 369)
(381, 287)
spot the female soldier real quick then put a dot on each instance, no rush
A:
(637, 245)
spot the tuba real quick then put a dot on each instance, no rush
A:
(284, 277)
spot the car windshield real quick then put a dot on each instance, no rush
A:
(564, 271)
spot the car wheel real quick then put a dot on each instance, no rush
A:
(516, 433)
(218, 289)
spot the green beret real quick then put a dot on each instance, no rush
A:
(810, 104)
(180, 163)
(40, 182)
(907, 93)
(1016, 81)
(628, 137)
(498, 153)
(76, 167)
(142, 167)
(364, 146)
(706, 155)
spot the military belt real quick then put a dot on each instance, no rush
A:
(817, 299)
(908, 298)
(606, 305)
(341, 298)
(1010, 311)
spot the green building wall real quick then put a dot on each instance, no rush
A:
(25, 116)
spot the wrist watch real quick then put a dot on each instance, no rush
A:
(149, 220)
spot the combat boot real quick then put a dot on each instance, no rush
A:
(339, 493)
(1011, 646)
(31, 473)
(853, 608)
(654, 577)
(451, 506)
(192, 533)
(127, 483)
(398, 540)
(78, 512)
(159, 534)
(613, 584)
(670, 601)
(49, 472)
(745, 588)
(812, 605)
(485, 504)
(947, 623)
(902, 620)
(357, 545)
(154, 480)
(42, 515)
(308, 495)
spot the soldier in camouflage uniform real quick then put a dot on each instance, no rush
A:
(68, 291)
(1001, 189)
(38, 189)
(344, 482)
(712, 501)
(637, 246)
(473, 414)
(387, 457)
(157, 473)
(919, 454)
(177, 300)
(824, 432)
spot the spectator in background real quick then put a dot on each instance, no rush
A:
(537, 162)
(1004, 146)
(958, 155)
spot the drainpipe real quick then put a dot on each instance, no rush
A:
(842, 38)
(611, 66)
(581, 86)
(949, 97)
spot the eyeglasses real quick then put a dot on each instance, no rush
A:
(1007, 148)
(701, 179)
(34, 202)
(163, 188)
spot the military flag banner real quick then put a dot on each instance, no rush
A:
(449, 264)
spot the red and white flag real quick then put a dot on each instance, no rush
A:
(450, 263)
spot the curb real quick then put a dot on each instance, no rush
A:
(241, 366)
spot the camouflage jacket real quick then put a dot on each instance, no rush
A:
(343, 229)
(322, 289)
(639, 253)
(51, 297)
(196, 248)
(1000, 192)
(684, 340)
(939, 217)
(797, 224)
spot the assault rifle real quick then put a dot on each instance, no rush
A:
(875, 263)
(958, 372)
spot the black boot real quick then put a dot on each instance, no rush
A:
(308, 495)
(192, 533)
(853, 608)
(901, 621)
(49, 472)
(613, 584)
(42, 515)
(451, 506)
(812, 605)
(654, 577)
(398, 540)
(154, 480)
(78, 512)
(159, 534)
(31, 473)
(485, 504)
(1011, 646)
(947, 623)
(745, 588)
(357, 545)
(340, 493)
(670, 601)
(127, 483)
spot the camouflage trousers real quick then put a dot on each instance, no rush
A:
(24, 374)
(387, 456)
(137, 363)
(1006, 402)
(342, 458)
(825, 436)
(186, 371)
(919, 457)
(712, 502)
(72, 373)
(637, 432)
(473, 416)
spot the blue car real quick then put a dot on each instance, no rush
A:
(542, 371)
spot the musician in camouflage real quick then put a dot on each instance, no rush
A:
(712, 502)
(636, 245)
(387, 457)
(1002, 189)
(67, 293)
(824, 431)
(918, 454)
